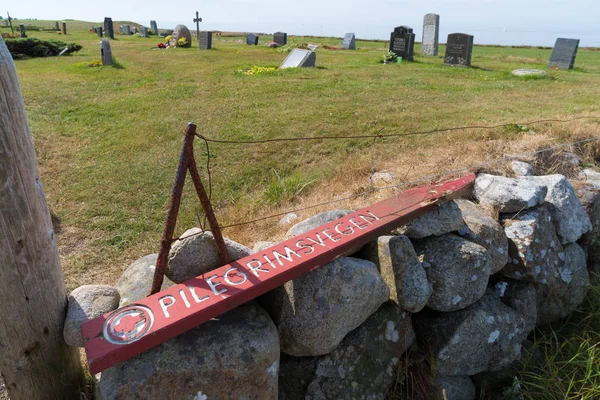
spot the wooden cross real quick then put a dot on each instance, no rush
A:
(197, 20)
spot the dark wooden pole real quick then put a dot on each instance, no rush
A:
(34, 359)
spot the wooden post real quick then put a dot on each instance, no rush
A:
(34, 359)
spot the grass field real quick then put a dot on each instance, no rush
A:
(108, 139)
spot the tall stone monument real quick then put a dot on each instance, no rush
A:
(154, 27)
(109, 28)
(459, 49)
(564, 53)
(105, 52)
(431, 33)
(349, 42)
(402, 42)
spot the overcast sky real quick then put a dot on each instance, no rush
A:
(533, 22)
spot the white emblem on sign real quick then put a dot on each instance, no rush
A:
(128, 324)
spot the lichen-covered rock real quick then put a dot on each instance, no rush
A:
(315, 311)
(535, 252)
(589, 194)
(562, 295)
(509, 195)
(521, 297)
(483, 337)
(316, 221)
(568, 216)
(233, 357)
(260, 246)
(480, 228)
(136, 281)
(86, 303)
(401, 269)
(445, 219)
(197, 253)
(181, 31)
(520, 168)
(589, 175)
(455, 387)
(363, 366)
(458, 271)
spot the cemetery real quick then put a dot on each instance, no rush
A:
(412, 218)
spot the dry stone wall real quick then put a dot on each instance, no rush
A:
(467, 282)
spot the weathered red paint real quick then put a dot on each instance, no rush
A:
(161, 316)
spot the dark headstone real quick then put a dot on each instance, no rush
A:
(154, 27)
(109, 28)
(564, 53)
(402, 42)
(431, 33)
(126, 30)
(99, 31)
(64, 28)
(252, 39)
(56, 27)
(459, 48)
(205, 40)
(144, 31)
(22, 30)
(349, 42)
(299, 58)
(105, 52)
(280, 38)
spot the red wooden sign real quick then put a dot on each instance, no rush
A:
(127, 332)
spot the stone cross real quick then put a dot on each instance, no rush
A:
(197, 20)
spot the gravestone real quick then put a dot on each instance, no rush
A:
(564, 53)
(134, 30)
(181, 31)
(299, 58)
(22, 31)
(431, 33)
(56, 27)
(144, 31)
(154, 27)
(109, 28)
(251, 39)
(312, 47)
(64, 28)
(105, 52)
(349, 42)
(402, 42)
(126, 30)
(205, 40)
(459, 48)
(99, 31)
(280, 38)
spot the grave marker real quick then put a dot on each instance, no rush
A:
(349, 42)
(197, 20)
(431, 32)
(64, 28)
(105, 52)
(56, 27)
(402, 42)
(459, 49)
(154, 27)
(299, 58)
(99, 31)
(109, 28)
(126, 29)
(251, 39)
(144, 32)
(280, 38)
(564, 53)
(22, 31)
(205, 40)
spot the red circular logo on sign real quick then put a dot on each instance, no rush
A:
(128, 324)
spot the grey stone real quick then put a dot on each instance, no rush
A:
(299, 58)
(509, 195)
(446, 218)
(144, 32)
(315, 311)
(529, 72)
(520, 168)
(108, 28)
(480, 228)
(564, 53)
(535, 253)
(568, 215)
(205, 40)
(196, 253)
(233, 357)
(349, 42)
(401, 270)
(86, 303)
(402, 42)
(521, 297)
(315, 221)
(363, 366)
(431, 33)
(456, 387)
(384, 177)
(559, 162)
(486, 336)
(251, 39)
(589, 175)
(136, 281)
(459, 49)
(287, 219)
(589, 195)
(106, 52)
(181, 31)
(561, 296)
(260, 246)
(154, 27)
(457, 269)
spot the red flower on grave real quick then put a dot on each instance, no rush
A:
(162, 46)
